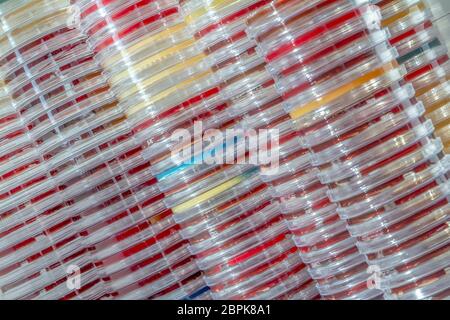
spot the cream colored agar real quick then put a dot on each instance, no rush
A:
(166, 93)
(142, 65)
(166, 73)
(207, 195)
(151, 60)
(125, 53)
(146, 63)
(38, 27)
(212, 6)
(29, 5)
(33, 11)
(143, 43)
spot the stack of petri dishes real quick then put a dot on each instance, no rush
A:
(236, 231)
(164, 80)
(86, 199)
(302, 41)
(367, 137)
(49, 81)
(423, 52)
(113, 184)
(149, 61)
